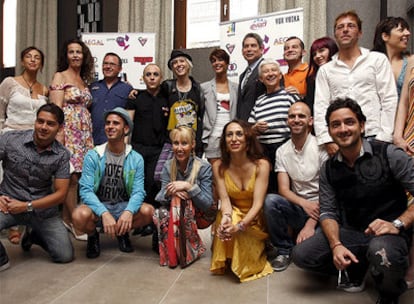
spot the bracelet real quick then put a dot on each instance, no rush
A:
(227, 214)
(240, 225)
(336, 245)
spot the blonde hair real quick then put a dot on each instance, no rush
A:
(188, 134)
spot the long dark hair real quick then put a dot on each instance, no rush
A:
(324, 42)
(385, 26)
(253, 146)
(87, 68)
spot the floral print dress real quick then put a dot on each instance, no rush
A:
(78, 123)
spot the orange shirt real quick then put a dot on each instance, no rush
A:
(297, 78)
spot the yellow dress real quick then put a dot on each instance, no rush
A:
(246, 249)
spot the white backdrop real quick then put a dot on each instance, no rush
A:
(135, 49)
(274, 28)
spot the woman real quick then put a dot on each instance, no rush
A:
(220, 104)
(20, 98)
(185, 99)
(321, 52)
(186, 186)
(391, 38)
(69, 90)
(241, 176)
(404, 138)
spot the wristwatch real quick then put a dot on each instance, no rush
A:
(29, 206)
(399, 224)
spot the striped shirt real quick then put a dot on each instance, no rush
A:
(273, 109)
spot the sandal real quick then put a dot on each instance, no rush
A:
(14, 236)
(71, 229)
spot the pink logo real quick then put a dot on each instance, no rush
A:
(230, 47)
(123, 41)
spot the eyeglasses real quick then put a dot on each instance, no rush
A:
(110, 64)
(149, 74)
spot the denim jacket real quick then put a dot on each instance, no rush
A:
(201, 192)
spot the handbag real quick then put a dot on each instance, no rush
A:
(166, 154)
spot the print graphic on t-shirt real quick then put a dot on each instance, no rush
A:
(112, 187)
(183, 113)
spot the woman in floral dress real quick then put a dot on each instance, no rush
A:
(69, 90)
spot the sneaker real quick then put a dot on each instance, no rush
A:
(93, 249)
(345, 284)
(124, 243)
(281, 262)
(4, 259)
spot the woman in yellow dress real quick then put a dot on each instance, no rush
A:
(241, 177)
(404, 138)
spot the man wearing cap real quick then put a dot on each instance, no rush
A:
(112, 187)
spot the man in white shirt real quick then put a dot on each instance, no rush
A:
(356, 73)
(298, 162)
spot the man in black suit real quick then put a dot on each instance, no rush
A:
(249, 85)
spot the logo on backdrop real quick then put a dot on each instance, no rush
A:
(230, 48)
(143, 60)
(123, 41)
(266, 46)
(142, 40)
(231, 29)
(258, 24)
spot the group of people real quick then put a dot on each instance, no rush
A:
(302, 162)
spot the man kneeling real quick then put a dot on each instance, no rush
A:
(34, 162)
(112, 187)
(363, 209)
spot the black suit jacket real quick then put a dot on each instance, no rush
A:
(247, 97)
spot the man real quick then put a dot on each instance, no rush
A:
(295, 78)
(357, 73)
(249, 86)
(363, 208)
(34, 162)
(270, 112)
(298, 162)
(108, 93)
(112, 187)
(149, 112)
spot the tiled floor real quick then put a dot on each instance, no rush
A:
(117, 277)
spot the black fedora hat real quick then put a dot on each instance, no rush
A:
(178, 53)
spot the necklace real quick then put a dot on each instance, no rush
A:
(29, 85)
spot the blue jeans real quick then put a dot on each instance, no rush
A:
(281, 214)
(386, 258)
(50, 232)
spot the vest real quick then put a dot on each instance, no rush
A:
(368, 190)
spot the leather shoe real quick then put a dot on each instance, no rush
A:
(93, 248)
(124, 243)
(27, 239)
